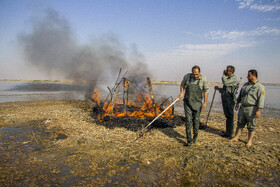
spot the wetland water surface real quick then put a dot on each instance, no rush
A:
(13, 91)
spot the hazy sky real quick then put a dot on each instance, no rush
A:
(170, 36)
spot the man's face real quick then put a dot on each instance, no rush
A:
(250, 77)
(229, 72)
(195, 73)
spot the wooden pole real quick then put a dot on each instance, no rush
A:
(127, 88)
(116, 85)
(124, 91)
(152, 95)
(161, 105)
(114, 101)
(144, 130)
(210, 107)
(124, 94)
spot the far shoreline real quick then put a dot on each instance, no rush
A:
(155, 82)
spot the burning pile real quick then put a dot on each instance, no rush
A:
(132, 108)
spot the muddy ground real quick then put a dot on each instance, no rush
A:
(58, 143)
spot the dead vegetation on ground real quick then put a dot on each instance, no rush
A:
(58, 143)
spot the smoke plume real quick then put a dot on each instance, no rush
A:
(51, 47)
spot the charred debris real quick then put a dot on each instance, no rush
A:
(132, 106)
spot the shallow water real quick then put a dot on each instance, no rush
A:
(24, 144)
(272, 98)
(13, 91)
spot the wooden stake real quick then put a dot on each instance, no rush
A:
(125, 94)
(127, 88)
(115, 86)
(152, 95)
(114, 101)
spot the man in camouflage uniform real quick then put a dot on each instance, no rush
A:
(230, 84)
(196, 88)
(251, 97)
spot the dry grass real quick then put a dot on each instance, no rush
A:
(93, 154)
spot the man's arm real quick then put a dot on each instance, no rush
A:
(181, 92)
(205, 95)
(182, 86)
(258, 113)
(205, 100)
(218, 88)
(261, 97)
(260, 104)
(231, 81)
(238, 100)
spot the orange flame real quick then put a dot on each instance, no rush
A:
(96, 96)
(144, 107)
(125, 83)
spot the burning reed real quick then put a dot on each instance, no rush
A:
(131, 106)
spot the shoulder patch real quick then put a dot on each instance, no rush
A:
(263, 92)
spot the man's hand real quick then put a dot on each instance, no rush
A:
(204, 106)
(216, 87)
(225, 72)
(258, 113)
(180, 95)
